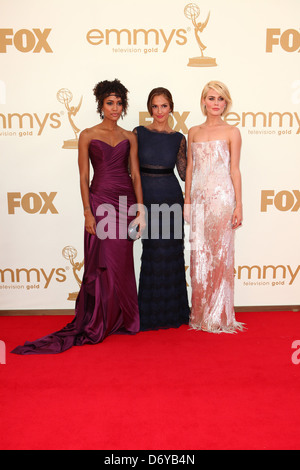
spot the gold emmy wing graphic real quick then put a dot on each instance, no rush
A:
(65, 97)
(70, 253)
(192, 11)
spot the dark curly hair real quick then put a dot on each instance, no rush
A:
(106, 88)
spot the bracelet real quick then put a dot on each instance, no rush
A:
(85, 209)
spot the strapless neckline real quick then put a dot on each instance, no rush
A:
(210, 141)
(112, 146)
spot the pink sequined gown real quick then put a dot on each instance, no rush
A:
(212, 239)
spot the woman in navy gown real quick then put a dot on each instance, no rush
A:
(163, 301)
(107, 302)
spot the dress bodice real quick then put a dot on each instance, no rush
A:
(108, 159)
(161, 149)
(211, 163)
(110, 165)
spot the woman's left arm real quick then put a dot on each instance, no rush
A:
(181, 160)
(136, 179)
(235, 152)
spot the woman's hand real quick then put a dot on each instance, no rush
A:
(141, 222)
(187, 211)
(90, 222)
(237, 217)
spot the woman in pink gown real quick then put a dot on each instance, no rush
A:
(213, 206)
(107, 302)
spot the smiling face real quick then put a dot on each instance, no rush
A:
(160, 108)
(112, 107)
(214, 103)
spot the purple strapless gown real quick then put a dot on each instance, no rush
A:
(107, 302)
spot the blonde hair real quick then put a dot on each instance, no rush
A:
(220, 88)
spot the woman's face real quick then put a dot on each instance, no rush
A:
(215, 103)
(112, 107)
(160, 109)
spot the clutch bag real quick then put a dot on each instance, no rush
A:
(133, 230)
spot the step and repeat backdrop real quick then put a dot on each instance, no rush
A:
(51, 56)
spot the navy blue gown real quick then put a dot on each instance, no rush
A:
(162, 294)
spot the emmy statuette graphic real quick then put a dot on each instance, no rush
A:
(70, 253)
(192, 11)
(65, 97)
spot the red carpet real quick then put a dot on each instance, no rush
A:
(168, 389)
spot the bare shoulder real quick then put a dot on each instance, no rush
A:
(193, 130)
(233, 132)
(234, 138)
(84, 138)
(128, 135)
(125, 132)
(87, 133)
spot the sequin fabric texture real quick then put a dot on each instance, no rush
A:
(212, 239)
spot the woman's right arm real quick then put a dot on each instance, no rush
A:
(84, 176)
(188, 178)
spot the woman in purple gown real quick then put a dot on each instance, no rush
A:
(107, 302)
